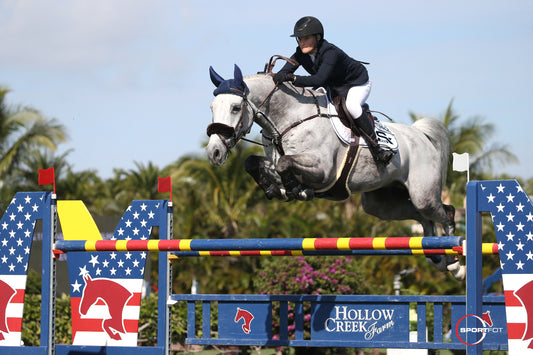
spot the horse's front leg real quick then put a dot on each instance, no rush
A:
(111, 330)
(264, 174)
(298, 173)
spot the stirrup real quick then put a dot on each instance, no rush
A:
(385, 156)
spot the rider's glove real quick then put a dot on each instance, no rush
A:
(280, 77)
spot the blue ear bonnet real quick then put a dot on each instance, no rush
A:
(230, 86)
(235, 86)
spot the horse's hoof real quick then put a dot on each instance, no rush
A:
(458, 271)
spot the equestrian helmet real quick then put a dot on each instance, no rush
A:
(307, 26)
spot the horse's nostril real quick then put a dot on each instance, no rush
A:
(216, 153)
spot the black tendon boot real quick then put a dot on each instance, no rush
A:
(270, 189)
(255, 168)
(380, 155)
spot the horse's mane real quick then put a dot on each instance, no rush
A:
(286, 87)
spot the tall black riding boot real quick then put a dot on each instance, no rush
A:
(380, 155)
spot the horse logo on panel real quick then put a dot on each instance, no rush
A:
(247, 317)
(6, 294)
(486, 318)
(106, 287)
(525, 295)
(16, 235)
(512, 216)
(114, 295)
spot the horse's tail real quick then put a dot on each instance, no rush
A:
(438, 135)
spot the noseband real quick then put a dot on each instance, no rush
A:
(220, 129)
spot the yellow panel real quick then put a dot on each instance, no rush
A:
(76, 221)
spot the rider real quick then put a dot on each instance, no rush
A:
(330, 67)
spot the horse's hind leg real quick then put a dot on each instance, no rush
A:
(449, 228)
(436, 211)
(394, 203)
(391, 203)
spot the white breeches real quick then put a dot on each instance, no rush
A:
(356, 97)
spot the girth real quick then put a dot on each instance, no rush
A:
(339, 190)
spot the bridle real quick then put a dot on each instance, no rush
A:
(231, 135)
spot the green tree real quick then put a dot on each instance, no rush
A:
(134, 184)
(24, 134)
(23, 129)
(472, 136)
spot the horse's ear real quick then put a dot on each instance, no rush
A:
(215, 78)
(237, 74)
(87, 278)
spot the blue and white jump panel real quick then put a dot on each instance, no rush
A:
(362, 321)
(512, 216)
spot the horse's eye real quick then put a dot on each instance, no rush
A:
(235, 109)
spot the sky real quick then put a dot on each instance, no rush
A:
(129, 78)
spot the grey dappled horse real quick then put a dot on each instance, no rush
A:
(303, 154)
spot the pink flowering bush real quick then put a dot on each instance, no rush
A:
(313, 276)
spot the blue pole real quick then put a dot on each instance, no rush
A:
(474, 289)
(47, 338)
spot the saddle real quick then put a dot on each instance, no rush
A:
(346, 118)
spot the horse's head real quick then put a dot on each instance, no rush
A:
(231, 118)
(87, 298)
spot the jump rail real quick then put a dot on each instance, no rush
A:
(486, 249)
(308, 244)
